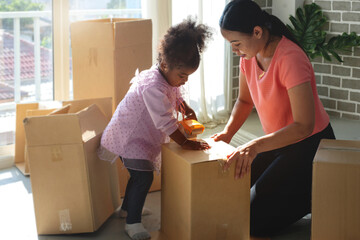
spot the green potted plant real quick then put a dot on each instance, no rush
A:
(308, 30)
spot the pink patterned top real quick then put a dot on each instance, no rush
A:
(142, 122)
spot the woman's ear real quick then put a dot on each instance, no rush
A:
(257, 32)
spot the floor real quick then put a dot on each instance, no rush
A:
(17, 219)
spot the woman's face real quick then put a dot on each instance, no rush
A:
(176, 76)
(244, 45)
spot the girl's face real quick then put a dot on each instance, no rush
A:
(176, 76)
(244, 45)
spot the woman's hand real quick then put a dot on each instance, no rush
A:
(222, 136)
(243, 156)
(195, 145)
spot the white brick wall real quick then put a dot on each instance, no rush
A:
(338, 83)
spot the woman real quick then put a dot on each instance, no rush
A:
(277, 78)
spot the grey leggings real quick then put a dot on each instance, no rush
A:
(281, 185)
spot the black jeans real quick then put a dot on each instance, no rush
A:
(136, 191)
(281, 182)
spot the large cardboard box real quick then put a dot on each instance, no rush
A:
(106, 54)
(71, 186)
(198, 199)
(336, 191)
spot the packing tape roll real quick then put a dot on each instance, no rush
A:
(65, 221)
(221, 231)
(56, 153)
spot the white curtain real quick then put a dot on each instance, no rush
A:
(159, 11)
(207, 91)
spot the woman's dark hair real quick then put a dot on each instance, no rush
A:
(244, 15)
(182, 44)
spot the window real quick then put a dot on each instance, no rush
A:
(28, 53)
(26, 69)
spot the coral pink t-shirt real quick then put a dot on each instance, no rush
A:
(289, 67)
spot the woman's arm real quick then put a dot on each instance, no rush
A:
(239, 114)
(303, 111)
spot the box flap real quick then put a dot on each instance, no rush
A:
(92, 122)
(21, 109)
(52, 129)
(104, 104)
(338, 151)
(38, 112)
(131, 32)
(218, 151)
(63, 110)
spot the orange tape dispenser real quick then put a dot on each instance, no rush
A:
(192, 127)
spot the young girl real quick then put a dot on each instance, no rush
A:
(145, 118)
(277, 78)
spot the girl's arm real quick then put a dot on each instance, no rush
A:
(239, 114)
(303, 111)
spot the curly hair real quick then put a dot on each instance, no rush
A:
(182, 44)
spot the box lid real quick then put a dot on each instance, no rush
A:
(218, 151)
(104, 33)
(64, 128)
(338, 151)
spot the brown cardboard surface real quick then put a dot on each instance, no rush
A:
(24, 110)
(198, 199)
(32, 113)
(105, 62)
(71, 186)
(336, 190)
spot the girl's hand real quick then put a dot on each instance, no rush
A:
(195, 145)
(188, 112)
(190, 115)
(222, 136)
(243, 156)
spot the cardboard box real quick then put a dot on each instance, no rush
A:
(198, 199)
(22, 111)
(336, 191)
(71, 186)
(106, 54)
